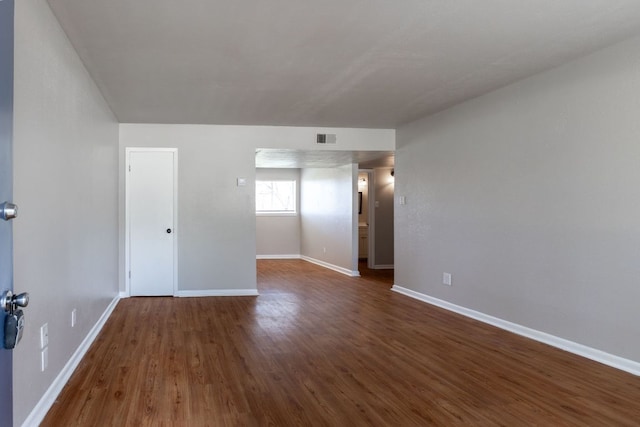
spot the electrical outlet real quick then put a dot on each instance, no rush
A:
(446, 279)
(324, 250)
(44, 359)
(44, 335)
(73, 318)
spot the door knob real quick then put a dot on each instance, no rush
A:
(9, 302)
(8, 211)
(21, 300)
(14, 319)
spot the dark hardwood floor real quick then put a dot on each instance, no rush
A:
(317, 348)
(382, 276)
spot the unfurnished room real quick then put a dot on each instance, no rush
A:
(334, 213)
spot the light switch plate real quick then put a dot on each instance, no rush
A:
(44, 335)
(44, 359)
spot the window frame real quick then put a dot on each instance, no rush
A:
(293, 212)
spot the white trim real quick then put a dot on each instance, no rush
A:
(48, 398)
(123, 295)
(292, 256)
(276, 214)
(552, 340)
(127, 230)
(218, 293)
(383, 267)
(331, 266)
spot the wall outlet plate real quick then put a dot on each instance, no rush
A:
(73, 317)
(446, 279)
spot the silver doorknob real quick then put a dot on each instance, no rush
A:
(9, 302)
(21, 300)
(8, 211)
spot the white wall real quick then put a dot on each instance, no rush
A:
(278, 235)
(216, 219)
(65, 183)
(529, 197)
(329, 222)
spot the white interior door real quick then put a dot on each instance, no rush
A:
(151, 198)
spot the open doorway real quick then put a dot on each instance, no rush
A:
(327, 223)
(375, 209)
(364, 218)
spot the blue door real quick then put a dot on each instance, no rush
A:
(6, 193)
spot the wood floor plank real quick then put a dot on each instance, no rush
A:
(317, 348)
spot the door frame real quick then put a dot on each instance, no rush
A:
(127, 228)
(371, 258)
(371, 217)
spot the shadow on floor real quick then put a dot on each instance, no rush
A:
(385, 276)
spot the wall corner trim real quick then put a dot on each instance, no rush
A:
(48, 398)
(600, 356)
(218, 293)
(333, 267)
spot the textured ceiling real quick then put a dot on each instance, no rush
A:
(276, 158)
(336, 63)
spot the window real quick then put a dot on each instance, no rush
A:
(276, 197)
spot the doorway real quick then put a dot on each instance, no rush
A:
(151, 216)
(375, 214)
(365, 216)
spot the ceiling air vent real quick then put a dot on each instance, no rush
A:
(326, 138)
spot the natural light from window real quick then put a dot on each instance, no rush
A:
(276, 197)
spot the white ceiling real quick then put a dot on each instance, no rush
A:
(278, 158)
(336, 63)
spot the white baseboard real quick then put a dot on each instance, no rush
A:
(383, 267)
(46, 401)
(331, 266)
(552, 340)
(218, 293)
(292, 256)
